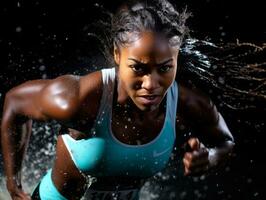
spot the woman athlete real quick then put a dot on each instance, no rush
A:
(122, 121)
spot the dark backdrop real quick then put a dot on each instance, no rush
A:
(40, 39)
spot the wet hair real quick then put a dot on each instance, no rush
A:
(135, 17)
(125, 24)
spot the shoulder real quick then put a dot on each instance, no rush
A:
(193, 97)
(196, 107)
(59, 97)
(65, 95)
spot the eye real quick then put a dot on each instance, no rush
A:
(165, 68)
(137, 68)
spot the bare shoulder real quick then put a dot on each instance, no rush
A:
(196, 106)
(59, 98)
(68, 94)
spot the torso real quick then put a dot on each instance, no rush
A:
(135, 129)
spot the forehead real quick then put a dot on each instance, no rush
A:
(149, 46)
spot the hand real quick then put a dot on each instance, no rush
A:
(19, 194)
(196, 158)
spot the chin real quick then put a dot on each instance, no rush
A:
(145, 107)
(148, 108)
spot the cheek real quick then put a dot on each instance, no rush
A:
(168, 78)
(128, 81)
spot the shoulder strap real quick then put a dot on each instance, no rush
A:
(172, 103)
(108, 75)
(108, 79)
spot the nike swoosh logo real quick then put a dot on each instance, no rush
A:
(156, 154)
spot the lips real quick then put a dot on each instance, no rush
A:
(149, 99)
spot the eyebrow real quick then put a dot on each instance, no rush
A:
(162, 63)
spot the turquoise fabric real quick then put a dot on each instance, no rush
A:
(48, 190)
(103, 155)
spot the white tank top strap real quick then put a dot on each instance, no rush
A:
(108, 80)
(108, 75)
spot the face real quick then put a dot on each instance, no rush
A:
(146, 69)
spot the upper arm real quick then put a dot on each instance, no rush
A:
(64, 99)
(202, 116)
(43, 99)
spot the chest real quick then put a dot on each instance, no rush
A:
(136, 131)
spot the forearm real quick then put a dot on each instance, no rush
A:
(14, 139)
(219, 155)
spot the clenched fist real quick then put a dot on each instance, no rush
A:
(196, 158)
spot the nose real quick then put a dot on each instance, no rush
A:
(150, 81)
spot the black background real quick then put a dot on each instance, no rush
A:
(52, 33)
(42, 39)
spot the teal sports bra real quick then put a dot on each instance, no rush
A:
(104, 155)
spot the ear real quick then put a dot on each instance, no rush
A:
(116, 55)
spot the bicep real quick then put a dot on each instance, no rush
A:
(205, 120)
